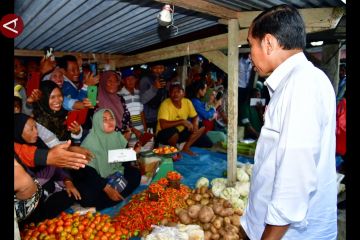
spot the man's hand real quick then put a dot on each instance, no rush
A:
(188, 125)
(72, 190)
(112, 193)
(89, 155)
(159, 84)
(87, 103)
(34, 97)
(74, 128)
(60, 156)
(91, 80)
(46, 65)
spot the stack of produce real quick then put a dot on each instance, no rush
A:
(75, 226)
(142, 212)
(216, 216)
(243, 148)
(238, 194)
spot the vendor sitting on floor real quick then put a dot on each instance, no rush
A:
(95, 180)
(173, 126)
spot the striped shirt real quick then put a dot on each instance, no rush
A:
(135, 108)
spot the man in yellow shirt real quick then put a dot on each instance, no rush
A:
(173, 125)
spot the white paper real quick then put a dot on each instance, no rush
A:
(254, 101)
(121, 155)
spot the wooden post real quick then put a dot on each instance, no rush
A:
(233, 65)
(330, 63)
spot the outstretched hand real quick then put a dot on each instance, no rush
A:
(60, 156)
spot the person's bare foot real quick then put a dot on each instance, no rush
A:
(189, 152)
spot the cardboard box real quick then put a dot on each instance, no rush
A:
(149, 164)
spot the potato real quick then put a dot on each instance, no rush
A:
(215, 236)
(204, 201)
(235, 220)
(205, 195)
(206, 226)
(239, 212)
(213, 229)
(225, 212)
(206, 214)
(184, 218)
(207, 235)
(230, 228)
(190, 202)
(164, 222)
(186, 196)
(230, 237)
(217, 223)
(197, 197)
(178, 210)
(227, 204)
(203, 189)
(217, 207)
(194, 210)
(227, 220)
(222, 232)
(172, 224)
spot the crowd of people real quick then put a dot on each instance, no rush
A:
(62, 162)
(57, 163)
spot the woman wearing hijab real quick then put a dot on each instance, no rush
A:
(94, 180)
(59, 193)
(108, 98)
(49, 113)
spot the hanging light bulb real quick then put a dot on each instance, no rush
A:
(165, 16)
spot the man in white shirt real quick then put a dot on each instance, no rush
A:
(293, 186)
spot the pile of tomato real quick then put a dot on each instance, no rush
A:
(91, 226)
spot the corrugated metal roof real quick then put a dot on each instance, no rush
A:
(99, 26)
(118, 26)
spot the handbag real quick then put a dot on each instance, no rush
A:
(117, 181)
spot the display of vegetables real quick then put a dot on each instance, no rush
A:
(244, 148)
(76, 226)
(238, 194)
(216, 216)
(141, 212)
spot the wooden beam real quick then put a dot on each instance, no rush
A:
(233, 58)
(319, 18)
(221, 41)
(218, 58)
(102, 57)
(203, 7)
(194, 47)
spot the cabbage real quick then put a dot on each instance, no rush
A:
(241, 175)
(203, 181)
(217, 188)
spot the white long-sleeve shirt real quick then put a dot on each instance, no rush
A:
(294, 175)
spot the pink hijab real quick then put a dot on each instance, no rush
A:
(110, 100)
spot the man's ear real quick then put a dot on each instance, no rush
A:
(270, 43)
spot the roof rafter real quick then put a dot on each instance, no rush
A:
(203, 7)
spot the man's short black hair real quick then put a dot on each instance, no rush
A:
(285, 23)
(175, 85)
(63, 61)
